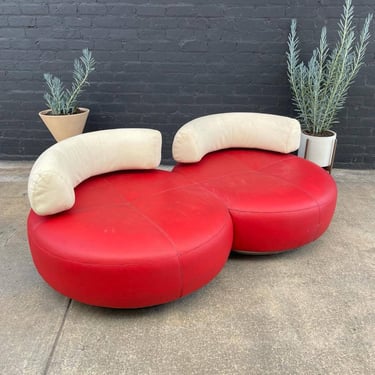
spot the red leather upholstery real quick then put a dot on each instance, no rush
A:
(277, 201)
(132, 239)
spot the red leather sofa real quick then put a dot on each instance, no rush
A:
(107, 228)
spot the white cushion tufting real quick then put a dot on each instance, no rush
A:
(60, 168)
(237, 129)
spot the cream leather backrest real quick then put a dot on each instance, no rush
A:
(60, 168)
(237, 129)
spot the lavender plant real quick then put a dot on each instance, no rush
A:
(320, 87)
(63, 101)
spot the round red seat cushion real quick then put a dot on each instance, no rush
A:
(277, 201)
(132, 239)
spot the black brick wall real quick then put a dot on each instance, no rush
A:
(162, 63)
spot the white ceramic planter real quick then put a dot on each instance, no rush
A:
(65, 126)
(319, 150)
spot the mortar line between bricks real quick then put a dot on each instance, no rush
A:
(57, 339)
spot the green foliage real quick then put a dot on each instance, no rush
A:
(320, 88)
(63, 101)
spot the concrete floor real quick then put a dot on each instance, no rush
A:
(309, 311)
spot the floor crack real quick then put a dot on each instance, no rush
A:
(57, 338)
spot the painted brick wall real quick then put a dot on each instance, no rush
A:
(162, 63)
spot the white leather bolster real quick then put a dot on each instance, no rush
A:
(237, 129)
(60, 168)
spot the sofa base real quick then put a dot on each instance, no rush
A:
(132, 239)
(277, 201)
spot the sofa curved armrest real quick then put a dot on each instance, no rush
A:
(236, 129)
(60, 168)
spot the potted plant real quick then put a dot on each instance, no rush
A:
(65, 118)
(319, 88)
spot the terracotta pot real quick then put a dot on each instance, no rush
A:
(318, 149)
(65, 126)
